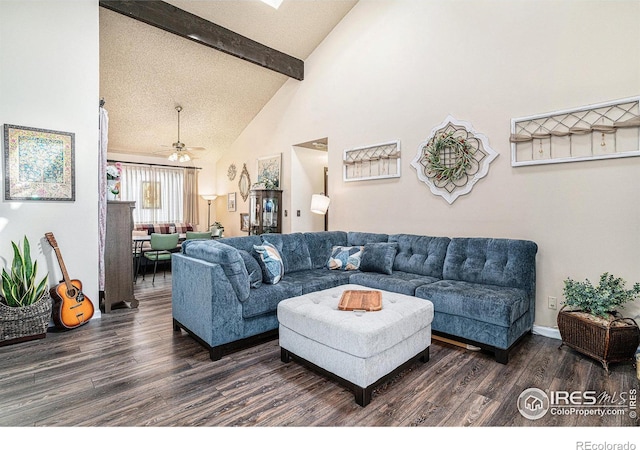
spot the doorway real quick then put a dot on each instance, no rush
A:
(309, 175)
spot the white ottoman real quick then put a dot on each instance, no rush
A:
(358, 349)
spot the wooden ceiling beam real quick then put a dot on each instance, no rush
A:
(189, 26)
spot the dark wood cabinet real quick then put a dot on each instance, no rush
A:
(265, 211)
(118, 257)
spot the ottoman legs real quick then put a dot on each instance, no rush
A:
(285, 357)
(362, 394)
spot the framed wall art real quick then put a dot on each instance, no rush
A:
(372, 162)
(453, 159)
(269, 168)
(601, 131)
(38, 164)
(231, 201)
(244, 222)
(151, 198)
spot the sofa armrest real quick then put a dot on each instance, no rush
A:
(228, 257)
(204, 301)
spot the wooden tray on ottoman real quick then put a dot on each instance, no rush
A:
(360, 300)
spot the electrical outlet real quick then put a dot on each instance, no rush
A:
(553, 302)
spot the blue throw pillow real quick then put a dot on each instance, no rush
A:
(270, 262)
(378, 257)
(253, 269)
(345, 258)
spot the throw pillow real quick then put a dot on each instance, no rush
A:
(345, 258)
(378, 257)
(270, 262)
(253, 269)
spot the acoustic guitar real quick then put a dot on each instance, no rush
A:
(71, 308)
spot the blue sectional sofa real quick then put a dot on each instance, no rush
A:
(482, 289)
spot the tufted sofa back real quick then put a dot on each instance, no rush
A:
(321, 243)
(293, 249)
(502, 262)
(423, 255)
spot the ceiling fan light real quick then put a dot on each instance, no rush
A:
(184, 158)
(173, 156)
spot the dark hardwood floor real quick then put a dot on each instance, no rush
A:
(130, 369)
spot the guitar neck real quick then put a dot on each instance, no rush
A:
(63, 268)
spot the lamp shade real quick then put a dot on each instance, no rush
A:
(209, 197)
(319, 203)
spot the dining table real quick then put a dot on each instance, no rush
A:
(138, 245)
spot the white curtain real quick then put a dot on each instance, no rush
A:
(157, 191)
(191, 209)
(102, 192)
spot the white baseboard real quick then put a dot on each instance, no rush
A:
(549, 332)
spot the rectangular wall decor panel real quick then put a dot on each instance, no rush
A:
(601, 131)
(372, 162)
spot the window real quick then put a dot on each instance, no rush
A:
(157, 191)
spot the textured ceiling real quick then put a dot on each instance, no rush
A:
(146, 72)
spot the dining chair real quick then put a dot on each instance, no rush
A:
(198, 235)
(161, 246)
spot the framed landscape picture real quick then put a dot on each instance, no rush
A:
(244, 222)
(38, 164)
(231, 201)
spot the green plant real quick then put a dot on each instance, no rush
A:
(19, 288)
(602, 299)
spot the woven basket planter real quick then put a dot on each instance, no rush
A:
(25, 323)
(607, 341)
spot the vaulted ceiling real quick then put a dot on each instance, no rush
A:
(145, 72)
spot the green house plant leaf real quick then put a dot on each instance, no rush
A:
(19, 286)
(600, 300)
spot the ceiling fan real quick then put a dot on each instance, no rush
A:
(179, 151)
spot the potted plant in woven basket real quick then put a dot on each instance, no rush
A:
(25, 304)
(590, 323)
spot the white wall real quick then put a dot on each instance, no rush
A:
(395, 69)
(49, 79)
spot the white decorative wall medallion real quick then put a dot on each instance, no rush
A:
(453, 158)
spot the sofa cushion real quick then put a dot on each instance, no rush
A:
(245, 243)
(293, 250)
(400, 282)
(423, 255)
(488, 303)
(503, 262)
(360, 238)
(378, 257)
(270, 262)
(265, 299)
(253, 269)
(345, 258)
(229, 259)
(318, 279)
(320, 244)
